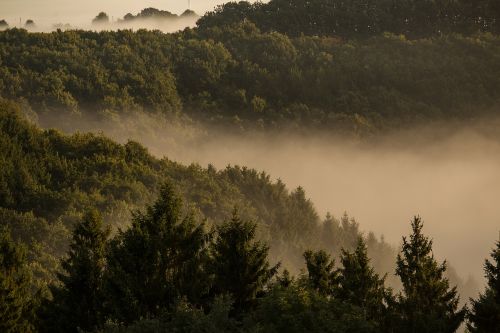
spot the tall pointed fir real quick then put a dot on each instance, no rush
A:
(157, 261)
(427, 303)
(240, 263)
(77, 302)
(359, 285)
(321, 273)
(16, 302)
(484, 315)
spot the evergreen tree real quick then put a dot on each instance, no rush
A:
(239, 263)
(359, 285)
(485, 313)
(156, 262)
(16, 302)
(427, 303)
(77, 303)
(322, 276)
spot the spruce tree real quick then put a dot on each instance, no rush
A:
(322, 275)
(359, 285)
(485, 313)
(77, 302)
(427, 303)
(240, 263)
(16, 301)
(157, 261)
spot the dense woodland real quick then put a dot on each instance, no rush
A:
(361, 18)
(240, 77)
(98, 236)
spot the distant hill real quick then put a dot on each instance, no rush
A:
(247, 79)
(413, 18)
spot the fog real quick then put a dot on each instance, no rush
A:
(449, 177)
(453, 184)
(79, 14)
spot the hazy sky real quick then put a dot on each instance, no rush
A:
(79, 12)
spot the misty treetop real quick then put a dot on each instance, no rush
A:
(157, 14)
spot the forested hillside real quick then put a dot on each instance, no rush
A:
(361, 18)
(167, 269)
(102, 236)
(240, 76)
(48, 180)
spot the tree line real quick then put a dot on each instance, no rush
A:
(168, 272)
(361, 18)
(149, 13)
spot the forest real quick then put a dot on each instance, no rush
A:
(245, 79)
(219, 251)
(103, 236)
(361, 18)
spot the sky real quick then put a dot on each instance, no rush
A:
(77, 12)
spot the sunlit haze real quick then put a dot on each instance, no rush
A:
(80, 13)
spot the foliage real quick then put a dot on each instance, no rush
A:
(77, 303)
(240, 263)
(360, 285)
(48, 180)
(484, 315)
(16, 301)
(298, 309)
(427, 303)
(241, 77)
(322, 276)
(167, 248)
(360, 18)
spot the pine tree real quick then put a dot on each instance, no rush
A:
(359, 285)
(16, 301)
(77, 303)
(156, 262)
(322, 276)
(239, 263)
(485, 313)
(427, 303)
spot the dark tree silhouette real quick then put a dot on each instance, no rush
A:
(427, 303)
(239, 263)
(484, 315)
(78, 303)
